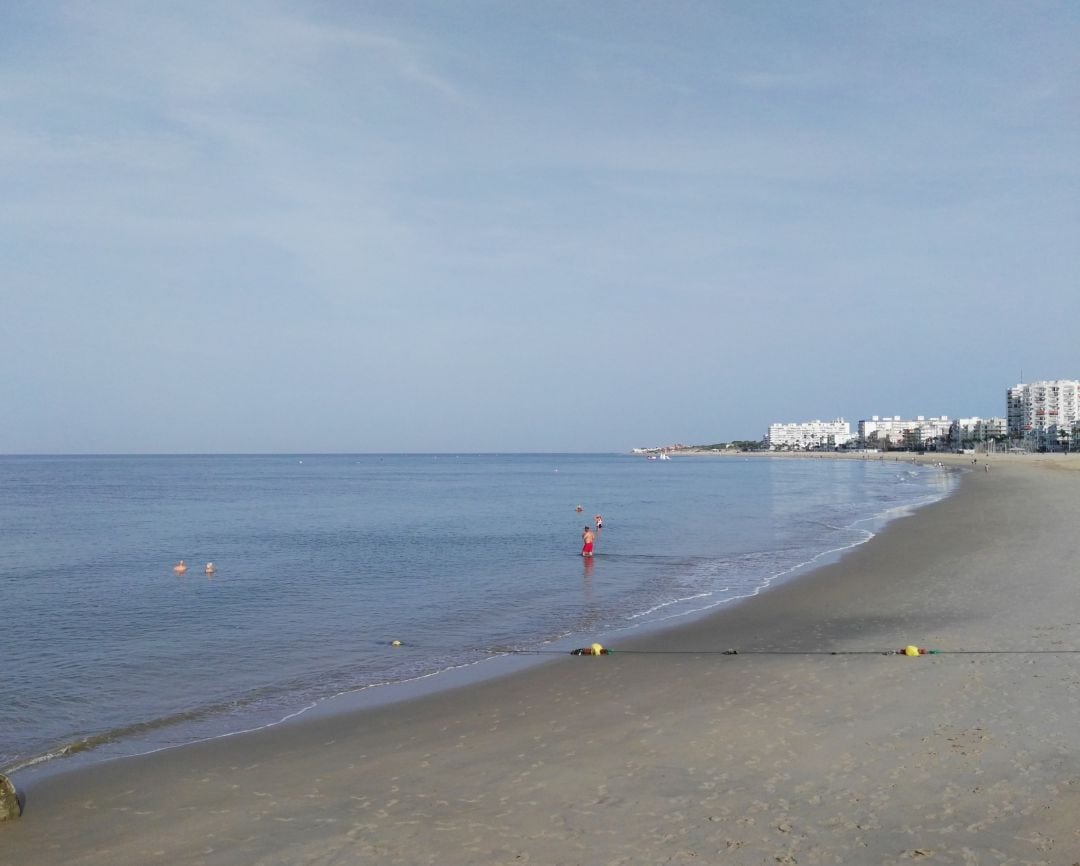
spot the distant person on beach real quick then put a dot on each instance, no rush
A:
(599, 522)
(587, 538)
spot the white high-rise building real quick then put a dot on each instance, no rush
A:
(809, 434)
(1045, 415)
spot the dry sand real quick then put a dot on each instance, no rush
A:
(689, 757)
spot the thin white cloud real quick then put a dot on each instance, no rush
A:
(225, 51)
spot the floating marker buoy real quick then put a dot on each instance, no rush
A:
(912, 650)
(395, 643)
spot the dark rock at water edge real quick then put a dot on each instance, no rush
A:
(10, 807)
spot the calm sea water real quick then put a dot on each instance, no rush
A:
(322, 561)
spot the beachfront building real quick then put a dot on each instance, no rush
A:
(969, 432)
(1045, 416)
(805, 435)
(894, 432)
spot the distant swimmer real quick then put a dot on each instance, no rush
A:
(180, 568)
(209, 568)
(587, 538)
(599, 522)
(579, 509)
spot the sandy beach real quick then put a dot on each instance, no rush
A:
(813, 745)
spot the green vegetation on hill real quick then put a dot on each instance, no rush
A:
(736, 445)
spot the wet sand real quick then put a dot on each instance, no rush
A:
(676, 753)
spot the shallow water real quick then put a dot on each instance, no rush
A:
(322, 561)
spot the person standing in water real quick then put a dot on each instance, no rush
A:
(587, 538)
(599, 523)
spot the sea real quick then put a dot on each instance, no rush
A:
(343, 578)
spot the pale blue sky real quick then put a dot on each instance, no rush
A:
(532, 226)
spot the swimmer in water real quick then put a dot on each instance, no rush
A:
(599, 522)
(209, 568)
(587, 539)
(180, 568)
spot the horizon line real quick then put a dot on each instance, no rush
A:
(289, 453)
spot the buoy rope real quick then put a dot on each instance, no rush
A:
(738, 652)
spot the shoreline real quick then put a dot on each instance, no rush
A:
(148, 737)
(1050, 459)
(667, 749)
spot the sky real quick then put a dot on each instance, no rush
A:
(309, 227)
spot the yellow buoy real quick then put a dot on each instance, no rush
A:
(597, 650)
(911, 650)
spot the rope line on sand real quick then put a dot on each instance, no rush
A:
(909, 651)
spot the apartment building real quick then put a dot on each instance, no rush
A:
(896, 432)
(808, 434)
(970, 430)
(1045, 415)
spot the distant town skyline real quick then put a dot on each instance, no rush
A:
(273, 227)
(1041, 414)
